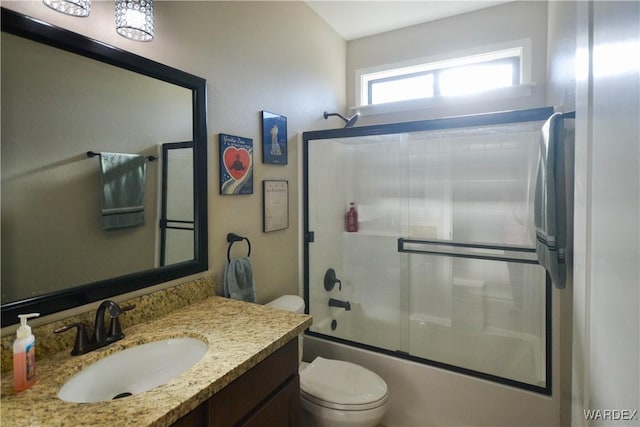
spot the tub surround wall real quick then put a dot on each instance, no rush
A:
(148, 307)
(239, 335)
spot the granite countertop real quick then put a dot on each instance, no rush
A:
(239, 335)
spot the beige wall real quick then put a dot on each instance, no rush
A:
(606, 295)
(437, 40)
(275, 56)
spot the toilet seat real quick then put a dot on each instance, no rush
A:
(341, 385)
(340, 407)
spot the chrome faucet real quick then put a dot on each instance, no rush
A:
(340, 304)
(101, 337)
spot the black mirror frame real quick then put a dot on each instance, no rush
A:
(36, 30)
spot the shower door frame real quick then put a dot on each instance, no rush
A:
(166, 223)
(487, 119)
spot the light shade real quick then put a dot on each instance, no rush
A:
(70, 7)
(134, 19)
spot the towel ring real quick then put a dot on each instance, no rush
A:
(233, 237)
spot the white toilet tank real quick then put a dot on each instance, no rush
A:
(292, 303)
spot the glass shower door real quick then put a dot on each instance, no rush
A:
(366, 171)
(442, 269)
(477, 298)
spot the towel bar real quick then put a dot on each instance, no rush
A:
(93, 154)
(469, 250)
(233, 237)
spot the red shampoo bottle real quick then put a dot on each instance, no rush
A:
(351, 218)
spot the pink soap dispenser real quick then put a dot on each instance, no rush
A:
(24, 355)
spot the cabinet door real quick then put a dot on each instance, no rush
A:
(268, 395)
(195, 418)
(282, 409)
(251, 390)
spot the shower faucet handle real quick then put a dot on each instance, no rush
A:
(330, 280)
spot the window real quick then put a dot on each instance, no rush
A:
(459, 76)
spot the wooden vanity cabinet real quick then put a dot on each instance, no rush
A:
(267, 395)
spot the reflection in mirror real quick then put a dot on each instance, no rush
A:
(57, 105)
(176, 222)
(58, 226)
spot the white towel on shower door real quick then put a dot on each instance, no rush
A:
(550, 211)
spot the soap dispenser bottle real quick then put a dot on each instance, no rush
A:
(351, 218)
(24, 355)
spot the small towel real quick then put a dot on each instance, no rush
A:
(122, 177)
(238, 280)
(550, 211)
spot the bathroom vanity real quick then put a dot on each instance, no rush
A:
(266, 395)
(248, 375)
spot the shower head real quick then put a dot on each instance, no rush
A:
(348, 121)
(352, 121)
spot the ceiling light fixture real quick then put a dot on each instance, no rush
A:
(134, 19)
(70, 7)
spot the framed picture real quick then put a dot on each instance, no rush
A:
(275, 205)
(236, 165)
(274, 138)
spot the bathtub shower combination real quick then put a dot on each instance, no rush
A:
(442, 269)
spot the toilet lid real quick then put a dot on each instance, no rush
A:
(343, 383)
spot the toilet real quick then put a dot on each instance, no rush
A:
(335, 393)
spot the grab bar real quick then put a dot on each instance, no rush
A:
(528, 254)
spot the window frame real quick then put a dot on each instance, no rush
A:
(517, 47)
(514, 60)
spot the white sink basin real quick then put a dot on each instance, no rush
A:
(134, 370)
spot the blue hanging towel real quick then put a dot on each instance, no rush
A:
(550, 211)
(122, 178)
(238, 280)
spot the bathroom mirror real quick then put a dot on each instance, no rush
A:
(73, 95)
